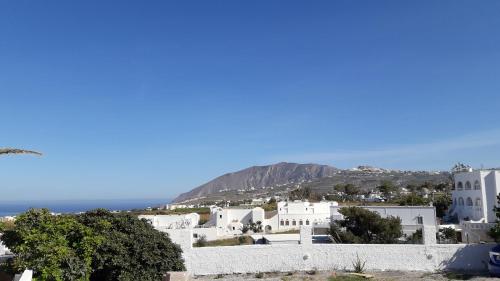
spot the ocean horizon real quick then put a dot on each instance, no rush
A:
(14, 207)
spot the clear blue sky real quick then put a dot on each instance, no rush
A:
(144, 99)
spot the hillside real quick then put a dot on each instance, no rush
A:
(258, 177)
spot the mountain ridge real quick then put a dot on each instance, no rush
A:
(260, 177)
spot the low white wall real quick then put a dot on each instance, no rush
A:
(271, 258)
(308, 256)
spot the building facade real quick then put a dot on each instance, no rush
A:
(474, 195)
(294, 214)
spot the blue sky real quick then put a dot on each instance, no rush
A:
(134, 99)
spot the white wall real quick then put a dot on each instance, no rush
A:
(271, 258)
(307, 256)
(162, 222)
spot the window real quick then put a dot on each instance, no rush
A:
(420, 220)
(468, 186)
(220, 216)
(294, 222)
(477, 185)
(469, 201)
(195, 235)
(455, 201)
(234, 228)
(287, 222)
(460, 186)
(282, 222)
(460, 201)
(478, 202)
(301, 222)
(307, 222)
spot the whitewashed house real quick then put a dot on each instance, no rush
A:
(292, 215)
(474, 196)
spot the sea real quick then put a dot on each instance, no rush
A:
(12, 208)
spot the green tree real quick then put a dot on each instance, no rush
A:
(495, 231)
(416, 237)
(97, 245)
(442, 203)
(449, 234)
(54, 247)
(131, 249)
(363, 226)
(412, 199)
(387, 188)
(351, 189)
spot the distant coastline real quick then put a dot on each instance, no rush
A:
(14, 207)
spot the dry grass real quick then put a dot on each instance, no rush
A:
(236, 241)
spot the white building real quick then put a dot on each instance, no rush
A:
(291, 215)
(232, 220)
(474, 195)
(162, 222)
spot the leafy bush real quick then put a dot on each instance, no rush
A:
(97, 245)
(416, 237)
(363, 226)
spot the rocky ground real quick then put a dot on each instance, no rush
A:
(342, 276)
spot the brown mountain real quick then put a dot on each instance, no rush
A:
(260, 176)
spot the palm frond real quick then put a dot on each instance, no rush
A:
(6, 151)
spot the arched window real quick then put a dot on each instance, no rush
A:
(455, 201)
(468, 186)
(469, 201)
(478, 202)
(282, 222)
(460, 186)
(477, 185)
(460, 201)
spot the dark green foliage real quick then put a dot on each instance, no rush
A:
(387, 188)
(131, 249)
(416, 237)
(442, 203)
(363, 226)
(97, 245)
(447, 235)
(495, 231)
(412, 199)
(54, 247)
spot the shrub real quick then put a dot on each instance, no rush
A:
(97, 245)
(259, 275)
(358, 265)
(201, 242)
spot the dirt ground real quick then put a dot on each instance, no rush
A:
(342, 276)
